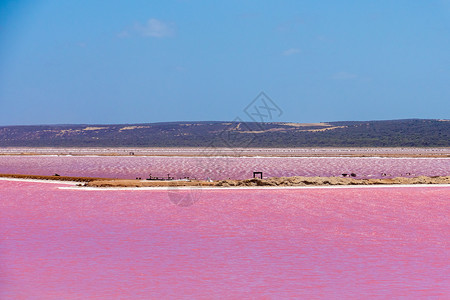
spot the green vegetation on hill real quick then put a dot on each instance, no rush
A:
(395, 133)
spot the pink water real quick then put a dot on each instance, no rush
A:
(386, 242)
(221, 167)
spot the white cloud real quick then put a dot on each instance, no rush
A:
(344, 76)
(155, 28)
(291, 51)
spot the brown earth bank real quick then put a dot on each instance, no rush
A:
(273, 181)
(305, 181)
(394, 152)
(387, 155)
(149, 183)
(54, 177)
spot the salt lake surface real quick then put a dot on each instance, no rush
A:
(221, 167)
(386, 242)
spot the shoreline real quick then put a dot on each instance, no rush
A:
(76, 179)
(212, 188)
(274, 182)
(375, 155)
(73, 185)
(306, 155)
(389, 152)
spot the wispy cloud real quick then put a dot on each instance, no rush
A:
(324, 39)
(180, 69)
(123, 34)
(250, 15)
(344, 76)
(290, 25)
(155, 28)
(291, 51)
(152, 28)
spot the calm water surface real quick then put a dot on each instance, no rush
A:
(221, 167)
(279, 243)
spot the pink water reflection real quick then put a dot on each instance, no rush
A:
(289, 243)
(222, 167)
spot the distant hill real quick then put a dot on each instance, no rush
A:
(394, 133)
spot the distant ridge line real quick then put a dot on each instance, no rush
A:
(378, 133)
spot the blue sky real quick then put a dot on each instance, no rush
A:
(151, 61)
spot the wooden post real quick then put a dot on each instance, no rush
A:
(258, 173)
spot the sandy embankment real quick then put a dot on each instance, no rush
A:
(392, 152)
(56, 178)
(305, 181)
(377, 155)
(275, 181)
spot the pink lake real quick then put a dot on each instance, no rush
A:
(381, 242)
(221, 167)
